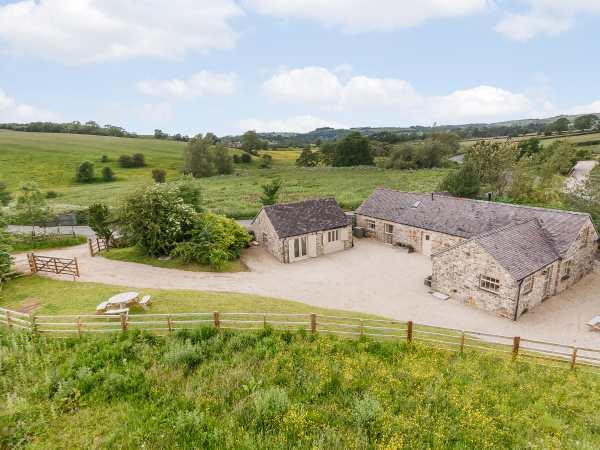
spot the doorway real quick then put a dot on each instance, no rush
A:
(426, 244)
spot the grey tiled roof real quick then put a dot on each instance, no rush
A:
(522, 248)
(293, 219)
(469, 218)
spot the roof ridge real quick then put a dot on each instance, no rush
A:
(516, 223)
(316, 199)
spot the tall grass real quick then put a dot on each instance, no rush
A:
(217, 389)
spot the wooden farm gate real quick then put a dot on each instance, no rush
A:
(97, 244)
(51, 264)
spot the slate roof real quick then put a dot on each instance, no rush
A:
(468, 218)
(522, 248)
(309, 216)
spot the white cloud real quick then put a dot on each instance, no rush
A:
(84, 31)
(12, 111)
(367, 96)
(369, 15)
(298, 124)
(200, 84)
(545, 17)
(318, 85)
(590, 108)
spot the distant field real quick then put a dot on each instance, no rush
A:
(51, 160)
(549, 139)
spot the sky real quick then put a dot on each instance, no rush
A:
(226, 66)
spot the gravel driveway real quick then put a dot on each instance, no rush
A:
(371, 278)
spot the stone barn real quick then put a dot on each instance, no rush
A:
(500, 257)
(295, 231)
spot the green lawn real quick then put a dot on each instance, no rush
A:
(214, 389)
(51, 160)
(67, 297)
(134, 254)
(25, 242)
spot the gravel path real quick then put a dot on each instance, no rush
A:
(371, 278)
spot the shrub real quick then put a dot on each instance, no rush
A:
(203, 157)
(108, 174)
(125, 161)
(463, 182)
(271, 192)
(353, 150)
(100, 220)
(307, 158)
(269, 404)
(85, 172)
(5, 259)
(138, 160)
(246, 158)
(237, 159)
(104, 159)
(159, 175)
(222, 160)
(5, 196)
(213, 240)
(266, 161)
(51, 194)
(183, 354)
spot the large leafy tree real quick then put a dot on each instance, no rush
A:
(353, 150)
(251, 143)
(492, 161)
(31, 205)
(463, 182)
(307, 158)
(586, 197)
(197, 158)
(101, 221)
(585, 122)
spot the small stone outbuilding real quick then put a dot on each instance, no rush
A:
(500, 257)
(295, 231)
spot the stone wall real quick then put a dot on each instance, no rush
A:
(407, 235)
(319, 236)
(267, 237)
(456, 272)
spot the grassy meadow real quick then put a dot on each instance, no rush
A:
(247, 390)
(51, 160)
(25, 242)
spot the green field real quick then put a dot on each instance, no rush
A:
(25, 242)
(51, 160)
(254, 390)
(575, 139)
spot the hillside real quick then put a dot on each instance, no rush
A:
(51, 160)
(208, 389)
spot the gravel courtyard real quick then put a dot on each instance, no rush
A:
(372, 278)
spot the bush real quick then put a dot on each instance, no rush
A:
(51, 194)
(5, 196)
(203, 157)
(353, 150)
(159, 175)
(108, 174)
(237, 159)
(307, 158)
(104, 159)
(268, 405)
(85, 172)
(138, 160)
(222, 160)
(213, 241)
(5, 249)
(463, 182)
(266, 161)
(125, 161)
(246, 158)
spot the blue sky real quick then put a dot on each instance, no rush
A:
(291, 65)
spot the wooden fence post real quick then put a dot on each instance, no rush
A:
(573, 357)
(123, 322)
(76, 268)
(91, 247)
(462, 342)
(32, 320)
(216, 319)
(170, 325)
(313, 323)
(409, 331)
(516, 344)
(8, 324)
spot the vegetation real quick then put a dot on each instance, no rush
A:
(5, 248)
(159, 175)
(137, 255)
(75, 127)
(586, 197)
(135, 160)
(203, 158)
(100, 220)
(108, 174)
(85, 172)
(585, 122)
(5, 196)
(271, 192)
(221, 389)
(20, 243)
(426, 155)
(266, 162)
(307, 158)
(251, 143)
(31, 207)
(463, 182)
(352, 150)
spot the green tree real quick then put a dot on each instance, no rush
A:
(561, 125)
(585, 122)
(31, 205)
(198, 159)
(85, 172)
(463, 182)
(353, 150)
(557, 158)
(246, 158)
(450, 140)
(271, 192)
(125, 161)
(493, 161)
(529, 147)
(158, 134)
(327, 152)
(307, 158)
(222, 159)
(108, 174)
(138, 160)
(403, 158)
(586, 197)
(5, 196)
(266, 161)
(251, 143)
(101, 221)
(159, 175)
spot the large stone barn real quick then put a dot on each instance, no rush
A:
(296, 231)
(500, 257)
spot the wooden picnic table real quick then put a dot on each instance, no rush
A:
(123, 299)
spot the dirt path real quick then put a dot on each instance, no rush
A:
(371, 278)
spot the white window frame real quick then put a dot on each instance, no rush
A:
(333, 235)
(489, 284)
(371, 224)
(527, 285)
(389, 228)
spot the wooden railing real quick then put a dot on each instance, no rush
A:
(97, 244)
(540, 351)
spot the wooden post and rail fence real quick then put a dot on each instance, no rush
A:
(515, 347)
(51, 264)
(97, 245)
